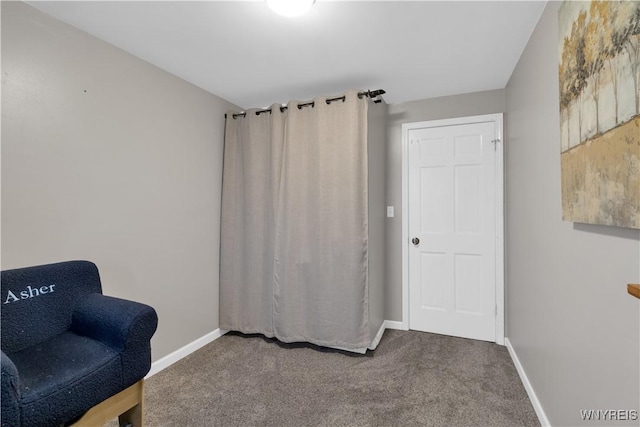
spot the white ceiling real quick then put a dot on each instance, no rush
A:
(246, 54)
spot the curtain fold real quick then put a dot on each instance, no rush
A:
(294, 238)
(250, 183)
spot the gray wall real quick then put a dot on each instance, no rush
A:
(472, 104)
(110, 159)
(569, 319)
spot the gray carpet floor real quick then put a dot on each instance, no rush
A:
(412, 378)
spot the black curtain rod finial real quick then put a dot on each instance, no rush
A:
(376, 93)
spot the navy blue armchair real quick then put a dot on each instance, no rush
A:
(66, 347)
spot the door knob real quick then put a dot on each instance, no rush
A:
(415, 241)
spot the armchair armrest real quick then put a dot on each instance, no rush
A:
(119, 323)
(10, 397)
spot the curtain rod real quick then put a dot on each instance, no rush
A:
(369, 93)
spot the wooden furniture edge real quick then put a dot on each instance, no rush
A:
(634, 290)
(126, 405)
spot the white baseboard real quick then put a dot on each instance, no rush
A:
(542, 417)
(182, 352)
(393, 324)
(378, 337)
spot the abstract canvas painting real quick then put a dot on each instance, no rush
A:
(599, 75)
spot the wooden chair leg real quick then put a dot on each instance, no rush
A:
(134, 417)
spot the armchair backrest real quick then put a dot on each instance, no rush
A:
(38, 302)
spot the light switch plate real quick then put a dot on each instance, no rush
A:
(390, 212)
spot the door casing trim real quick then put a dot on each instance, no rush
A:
(497, 120)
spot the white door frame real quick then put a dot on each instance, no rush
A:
(406, 127)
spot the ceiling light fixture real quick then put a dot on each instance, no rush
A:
(290, 8)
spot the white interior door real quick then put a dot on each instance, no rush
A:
(452, 229)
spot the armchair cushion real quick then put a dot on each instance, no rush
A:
(63, 377)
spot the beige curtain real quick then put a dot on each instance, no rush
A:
(294, 223)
